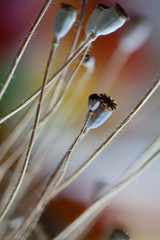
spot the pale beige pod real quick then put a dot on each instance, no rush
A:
(64, 19)
(101, 108)
(105, 20)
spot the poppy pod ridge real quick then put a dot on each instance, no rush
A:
(101, 108)
(105, 20)
(64, 19)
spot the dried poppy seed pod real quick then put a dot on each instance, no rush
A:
(119, 234)
(64, 19)
(105, 20)
(93, 101)
(89, 61)
(101, 113)
(135, 35)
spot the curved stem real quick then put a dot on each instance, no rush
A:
(108, 140)
(60, 82)
(51, 80)
(55, 180)
(52, 194)
(84, 220)
(55, 106)
(16, 132)
(23, 47)
(33, 135)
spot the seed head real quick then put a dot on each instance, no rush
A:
(108, 102)
(64, 19)
(102, 107)
(93, 101)
(105, 20)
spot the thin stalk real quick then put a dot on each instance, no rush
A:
(32, 226)
(40, 233)
(21, 124)
(105, 143)
(64, 162)
(127, 119)
(5, 166)
(23, 47)
(32, 172)
(142, 158)
(108, 140)
(154, 156)
(75, 102)
(12, 182)
(17, 131)
(55, 106)
(55, 180)
(51, 80)
(74, 230)
(59, 83)
(33, 135)
(35, 165)
(43, 121)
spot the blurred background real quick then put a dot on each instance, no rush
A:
(136, 209)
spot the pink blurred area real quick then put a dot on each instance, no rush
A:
(137, 208)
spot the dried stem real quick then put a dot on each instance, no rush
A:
(142, 158)
(53, 182)
(125, 122)
(55, 106)
(77, 96)
(74, 230)
(51, 80)
(5, 166)
(23, 47)
(24, 121)
(62, 168)
(42, 122)
(59, 84)
(33, 135)
(13, 181)
(52, 194)
(17, 131)
(41, 235)
(108, 140)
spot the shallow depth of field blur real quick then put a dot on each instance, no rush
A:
(136, 209)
